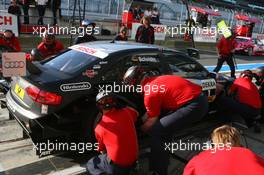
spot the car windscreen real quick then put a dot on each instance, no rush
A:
(184, 66)
(70, 61)
(188, 70)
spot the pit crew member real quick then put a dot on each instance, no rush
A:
(8, 38)
(226, 157)
(116, 136)
(50, 45)
(181, 101)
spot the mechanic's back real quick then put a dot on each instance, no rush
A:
(173, 93)
(247, 92)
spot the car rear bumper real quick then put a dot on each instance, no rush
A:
(19, 111)
(31, 122)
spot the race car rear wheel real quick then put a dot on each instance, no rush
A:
(89, 124)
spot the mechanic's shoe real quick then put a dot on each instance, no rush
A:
(257, 128)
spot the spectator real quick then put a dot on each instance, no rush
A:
(9, 39)
(14, 8)
(145, 32)
(50, 46)
(155, 16)
(229, 160)
(148, 12)
(25, 6)
(137, 13)
(55, 6)
(190, 23)
(122, 36)
(88, 36)
(41, 5)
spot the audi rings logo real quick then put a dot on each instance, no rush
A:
(14, 64)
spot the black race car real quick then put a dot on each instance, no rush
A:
(58, 101)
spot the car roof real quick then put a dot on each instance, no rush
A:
(110, 47)
(102, 49)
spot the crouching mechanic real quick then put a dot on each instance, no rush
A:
(163, 94)
(244, 98)
(116, 136)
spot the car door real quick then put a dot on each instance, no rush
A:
(113, 76)
(116, 71)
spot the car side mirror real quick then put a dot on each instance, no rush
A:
(194, 53)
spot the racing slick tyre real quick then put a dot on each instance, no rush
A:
(89, 125)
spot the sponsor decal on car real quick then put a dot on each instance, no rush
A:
(103, 62)
(97, 67)
(208, 84)
(44, 109)
(75, 86)
(208, 87)
(91, 51)
(90, 73)
(148, 59)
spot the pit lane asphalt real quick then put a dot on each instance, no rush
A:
(211, 59)
(18, 157)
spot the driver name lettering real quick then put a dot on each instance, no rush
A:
(147, 59)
